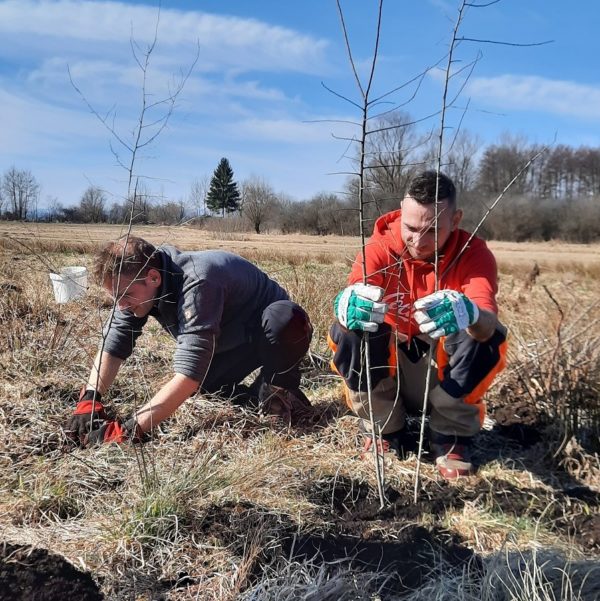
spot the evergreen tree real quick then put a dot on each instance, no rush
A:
(223, 195)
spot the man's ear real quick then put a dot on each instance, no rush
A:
(153, 278)
(457, 218)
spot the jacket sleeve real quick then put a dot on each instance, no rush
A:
(479, 277)
(377, 262)
(199, 315)
(121, 333)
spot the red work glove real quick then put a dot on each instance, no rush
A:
(87, 415)
(115, 431)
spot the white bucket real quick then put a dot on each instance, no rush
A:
(69, 284)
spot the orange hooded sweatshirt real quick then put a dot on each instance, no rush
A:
(404, 279)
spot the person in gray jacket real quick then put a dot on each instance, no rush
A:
(228, 319)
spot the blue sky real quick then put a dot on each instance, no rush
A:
(256, 94)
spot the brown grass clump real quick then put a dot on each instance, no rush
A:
(553, 376)
(219, 504)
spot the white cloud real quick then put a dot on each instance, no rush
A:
(232, 103)
(538, 94)
(54, 72)
(281, 130)
(231, 88)
(34, 127)
(223, 40)
(107, 82)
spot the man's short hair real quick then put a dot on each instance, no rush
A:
(422, 188)
(129, 255)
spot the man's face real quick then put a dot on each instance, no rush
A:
(418, 226)
(136, 295)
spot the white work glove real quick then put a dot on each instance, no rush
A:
(357, 307)
(445, 312)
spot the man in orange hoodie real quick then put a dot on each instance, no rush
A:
(409, 307)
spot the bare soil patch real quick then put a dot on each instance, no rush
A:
(412, 554)
(28, 574)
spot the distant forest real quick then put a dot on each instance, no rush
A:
(557, 197)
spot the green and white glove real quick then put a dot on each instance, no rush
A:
(445, 312)
(358, 308)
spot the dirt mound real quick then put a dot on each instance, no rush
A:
(353, 506)
(28, 574)
(411, 557)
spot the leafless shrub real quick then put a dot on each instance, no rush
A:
(554, 368)
(20, 191)
(258, 200)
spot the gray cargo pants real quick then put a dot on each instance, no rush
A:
(461, 371)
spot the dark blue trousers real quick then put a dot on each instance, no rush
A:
(277, 345)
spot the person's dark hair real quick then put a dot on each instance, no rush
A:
(129, 255)
(423, 186)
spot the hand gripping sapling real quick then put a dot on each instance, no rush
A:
(445, 312)
(358, 307)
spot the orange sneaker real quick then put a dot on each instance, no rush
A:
(452, 456)
(389, 444)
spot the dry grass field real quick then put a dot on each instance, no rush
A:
(221, 506)
(48, 236)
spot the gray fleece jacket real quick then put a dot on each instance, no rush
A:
(210, 302)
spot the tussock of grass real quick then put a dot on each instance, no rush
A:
(513, 576)
(45, 499)
(547, 576)
(485, 528)
(314, 582)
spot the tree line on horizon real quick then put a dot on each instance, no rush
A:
(558, 197)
